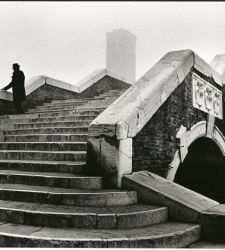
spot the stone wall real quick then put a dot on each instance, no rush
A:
(155, 145)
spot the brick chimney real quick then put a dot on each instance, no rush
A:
(121, 54)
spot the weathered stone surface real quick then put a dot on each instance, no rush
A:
(141, 218)
(106, 221)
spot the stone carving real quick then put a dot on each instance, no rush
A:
(207, 97)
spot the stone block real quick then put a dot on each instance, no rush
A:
(183, 203)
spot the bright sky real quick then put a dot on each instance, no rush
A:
(67, 40)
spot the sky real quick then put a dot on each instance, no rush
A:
(67, 40)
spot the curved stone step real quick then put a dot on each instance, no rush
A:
(79, 197)
(164, 235)
(46, 130)
(43, 155)
(44, 146)
(52, 124)
(50, 179)
(46, 138)
(44, 215)
(76, 167)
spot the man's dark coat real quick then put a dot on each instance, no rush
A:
(17, 85)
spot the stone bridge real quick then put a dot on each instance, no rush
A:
(108, 163)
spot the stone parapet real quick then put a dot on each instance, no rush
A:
(126, 117)
(38, 81)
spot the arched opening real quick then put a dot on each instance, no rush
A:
(203, 169)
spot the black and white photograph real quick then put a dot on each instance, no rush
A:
(112, 125)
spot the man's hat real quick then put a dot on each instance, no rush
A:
(16, 64)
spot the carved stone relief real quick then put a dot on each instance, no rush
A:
(206, 97)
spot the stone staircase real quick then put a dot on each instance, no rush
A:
(47, 200)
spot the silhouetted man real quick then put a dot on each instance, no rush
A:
(17, 85)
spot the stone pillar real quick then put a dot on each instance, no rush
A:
(218, 64)
(121, 54)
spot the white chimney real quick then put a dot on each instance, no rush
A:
(121, 54)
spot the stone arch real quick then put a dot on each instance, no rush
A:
(186, 138)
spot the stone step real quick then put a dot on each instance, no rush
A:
(30, 118)
(78, 100)
(46, 138)
(62, 196)
(43, 155)
(52, 124)
(66, 106)
(61, 109)
(76, 167)
(46, 146)
(45, 215)
(51, 104)
(63, 118)
(46, 130)
(75, 101)
(164, 235)
(70, 105)
(51, 179)
(65, 113)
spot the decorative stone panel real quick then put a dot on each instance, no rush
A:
(206, 97)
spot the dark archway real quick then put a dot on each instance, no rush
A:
(203, 169)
